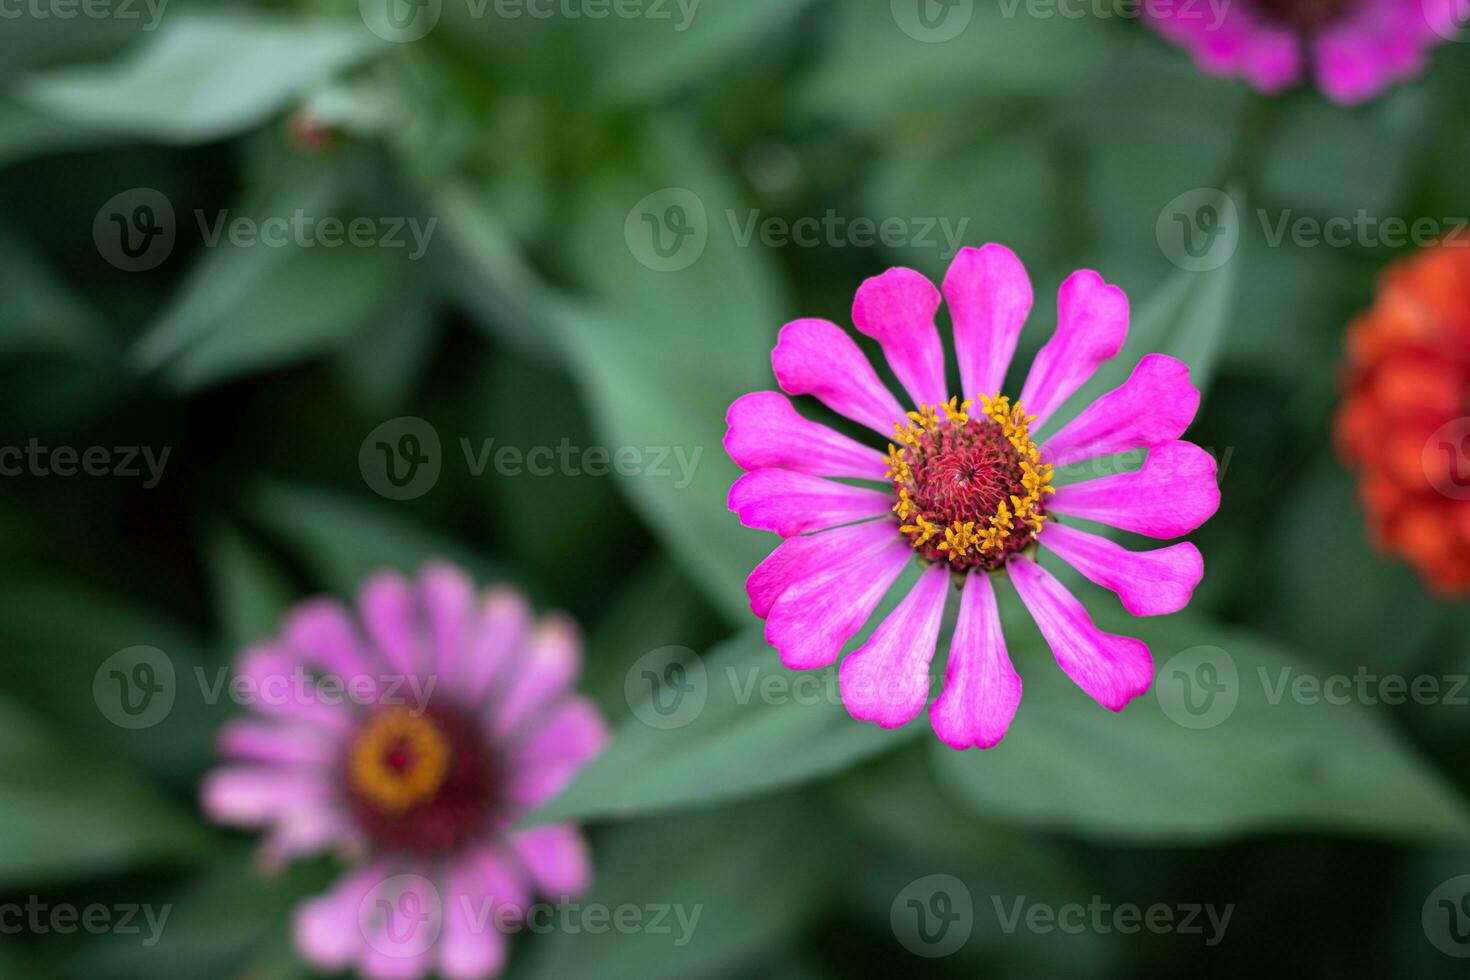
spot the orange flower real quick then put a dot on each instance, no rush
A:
(1404, 424)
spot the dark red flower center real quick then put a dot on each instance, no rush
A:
(421, 782)
(1304, 15)
(970, 485)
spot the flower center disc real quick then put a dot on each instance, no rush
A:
(420, 782)
(970, 486)
(1304, 15)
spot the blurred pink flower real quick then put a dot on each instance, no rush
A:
(970, 494)
(412, 735)
(1353, 49)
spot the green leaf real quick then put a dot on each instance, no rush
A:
(1187, 317)
(231, 920)
(661, 354)
(202, 77)
(250, 592)
(54, 638)
(40, 314)
(734, 724)
(247, 307)
(1275, 762)
(734, 883)
(1332, 593)
(341, 539)
(64, 814)
(875, 71)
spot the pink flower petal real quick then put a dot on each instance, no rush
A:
(449, 598)
(816, 357)
(1174, 493)
(558, 745)
(1112, 669)
(800, 558)
(1150, 583)
(470, 946)
(766, 432)
(795, 503)
(323, 634)
(393, 615)
(557, 858)
(1092, 324)
(816, 616)
(989, 297)
(1377, 43)
(1232, 41)
(981, 688)
(501, 628)
(1156, 404)
(547, 670)
(404, 949)
(249, 740)
(305, 831)
(273, 682)
(254, 795)
(897, 310)
(325, 928)
(887, 679)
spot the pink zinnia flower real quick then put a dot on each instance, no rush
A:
(1353, 48)
(412, 736)
(971, 494)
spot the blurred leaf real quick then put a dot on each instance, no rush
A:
(313, 302)
(624, 60)
(53, 640)
(341, 539)
(231, 920)
(203, 76)
(743, 878)
(971, 184)
(1068, 764)
(875, 72)
(760, 727)
(1336, 596)
(642, 355)
(1320, 161)
(1187, 317)
(250, 593)
(656, 607)
(40, 313)
(391, 356)
(64, 814)
(26, 133)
